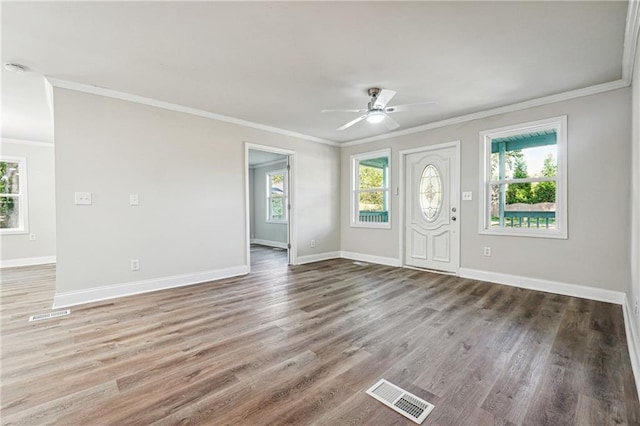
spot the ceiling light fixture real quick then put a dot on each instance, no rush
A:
(375, 117)
(15, 67)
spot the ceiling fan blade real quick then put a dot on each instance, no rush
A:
(383, 98)
(390, 123)
(406, 107)
(352, 122)
(344, 110)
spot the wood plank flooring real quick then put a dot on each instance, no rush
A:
(300, 345)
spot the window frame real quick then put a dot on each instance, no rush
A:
(23, 204)
(355, 189)
(560, 125)
(285, 195)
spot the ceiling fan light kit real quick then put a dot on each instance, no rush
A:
(375, 117)
(377, 110)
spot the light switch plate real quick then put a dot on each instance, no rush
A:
(83, 198)
(133, 199)
(467, 196)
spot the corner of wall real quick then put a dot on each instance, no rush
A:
(632, 339)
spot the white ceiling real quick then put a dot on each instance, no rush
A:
(280, 63)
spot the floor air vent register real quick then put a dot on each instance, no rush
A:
(401, 401)
(49, 315)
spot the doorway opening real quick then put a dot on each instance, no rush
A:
(269, 183)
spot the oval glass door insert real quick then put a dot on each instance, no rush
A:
(430, 193)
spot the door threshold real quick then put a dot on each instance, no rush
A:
(435, 271)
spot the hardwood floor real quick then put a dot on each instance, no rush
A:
(263, 258)
(300, 345)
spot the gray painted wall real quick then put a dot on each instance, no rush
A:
(633, 292)
(263, 230)
(597, 251)
(189, 174)
(41, 199)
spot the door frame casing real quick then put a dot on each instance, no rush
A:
(402, 199)
(292, 229)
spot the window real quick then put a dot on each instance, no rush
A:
(524, 179)
(13, 195)
(370, 189)
(277, 199)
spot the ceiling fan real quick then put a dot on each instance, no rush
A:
(377, 110)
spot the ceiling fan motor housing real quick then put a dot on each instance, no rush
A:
(373, 94)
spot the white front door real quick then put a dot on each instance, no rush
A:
(432, 183)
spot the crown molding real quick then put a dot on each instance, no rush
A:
(110, 93)
(631, 35)
(587, 91)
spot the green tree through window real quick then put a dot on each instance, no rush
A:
(371, 177)
(9, 195)
(519, 192)
(545, 192)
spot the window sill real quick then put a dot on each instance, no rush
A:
(277, 222)
(13, 231)
(525, 233)
(371, 225)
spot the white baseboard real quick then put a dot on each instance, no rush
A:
(71, 298)
(268, 243)
(27, 261)
(301, 260)
(574, 290)
(389, 261)
(632, 339)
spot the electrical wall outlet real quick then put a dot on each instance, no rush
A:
(467, 196)
(133, 200)
(313, 243)
(32, 237)
(83, 198)
(486, 251)
(135, 265)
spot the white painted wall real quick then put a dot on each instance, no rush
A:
(265, 231)
(596, 253)
(189, 174)
(18, 250)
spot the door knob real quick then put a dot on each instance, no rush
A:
(454, 209)
(453, 218)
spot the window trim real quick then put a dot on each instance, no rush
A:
(268, 175)
(23, 201)
(355, 191)
(561, 178)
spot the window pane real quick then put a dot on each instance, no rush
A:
(372, 173)
(527, 155)
(430, 192)
(370, 189)
(9, 178)
(276, 184)
(372, 207)
(9, 213)
(277, 209)
(523, 205)
(534, 151)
